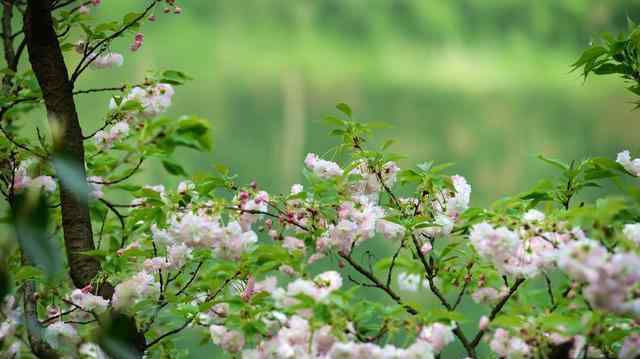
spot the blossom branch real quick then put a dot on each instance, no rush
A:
(496, 310)
(378, 284)
(102, 89)
(190, 320)
(123, 178)
(89, 54)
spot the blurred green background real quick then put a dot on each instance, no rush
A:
(482, 83)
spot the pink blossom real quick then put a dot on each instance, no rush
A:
(389, 229)
(631, 347)
(504, 345)
(229, 340)
(137, 42)
(322, 168)
(632, 166)
(484, 322)
(138, 287)
(106, 61)
(487, 295)
(293, 244)
(426, 248)
(438, 335)
(153, 99)
(95, 183)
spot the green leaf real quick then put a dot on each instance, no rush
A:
(387, 144)
(589, 55)
(173, 168)
(28, 272)
(130, 18)
(120, 337)
(608, 68)
(344, 108)
(174, 77)
(554, 162)
(31, 220)
(333, 121)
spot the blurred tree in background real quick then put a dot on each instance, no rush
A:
(451, 76)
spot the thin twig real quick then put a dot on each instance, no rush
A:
(90, 55)
(549, 289)
(123, 178)
(393, 263)
(378, 284)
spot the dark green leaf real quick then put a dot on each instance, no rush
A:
(344, 108)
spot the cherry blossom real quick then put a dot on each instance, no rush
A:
(107, 60)
(632, 166)
(322, 168)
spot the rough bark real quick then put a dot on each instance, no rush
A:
(7, 42)
(49, 67)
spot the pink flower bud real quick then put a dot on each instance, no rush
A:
(166, 10)
(84, 9)
(95, 2)
(177, 10)
(152, 18)
(137, 42)
(249, 290)
(426, 248)
(484, 323)
(53, 310)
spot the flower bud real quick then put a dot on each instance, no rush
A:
(483, 324)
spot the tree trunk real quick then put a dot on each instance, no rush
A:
(50, 70)
(49, 67)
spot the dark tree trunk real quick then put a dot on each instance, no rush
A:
(49, 67)
(50, 70)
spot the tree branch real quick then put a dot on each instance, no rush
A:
(90, 54)
(378, 284)
(496, 310)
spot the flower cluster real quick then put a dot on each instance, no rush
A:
(369, 184)
(87, 304)
(609, 279)
(106, 138)
(154, 99)
(322, 168)
(205, 231)
(139, 287)
(318, 289)
(22, 180)
(523, 252)
(446, 207)
(632, 166)
(297, 339)
(508, 346)
(106, 60)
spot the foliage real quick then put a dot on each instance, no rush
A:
(289, 275)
